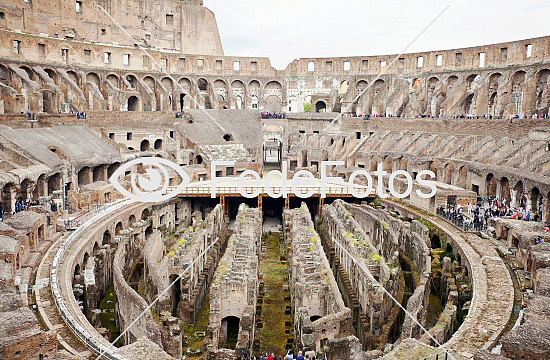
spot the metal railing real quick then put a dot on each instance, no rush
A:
(91, 341)
(462, 221)
(340, 190)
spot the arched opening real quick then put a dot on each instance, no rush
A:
(176, 293)
(449, 168)
(462, 177)
(521, 200)
(198, 159)
(113, 80)
(535, 199)
(320, 106)
(145, 145)
(435, 241)
(84, 176)
(112, 168)
(54, 183)
(229, 332)
(39, 188)
(119, 227)
(228, 137)
(202, 84)
(132, 81)
(26, 189)
(133, 103)
(491, 183)
(505, 190)
(93, 78)
(131, 220)
(145, 214)
(106, 237)
(98, 173)
(158, 144)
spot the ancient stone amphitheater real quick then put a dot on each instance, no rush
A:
(86, 272)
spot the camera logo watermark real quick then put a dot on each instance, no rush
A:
(153, 185)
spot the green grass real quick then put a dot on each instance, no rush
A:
(107, 316)
(272, 335)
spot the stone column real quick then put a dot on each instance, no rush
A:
(546, 212)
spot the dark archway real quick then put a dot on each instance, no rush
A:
(106, 237)
(198, 159)
(229, 332)
(320, 106)
(491, 186)
(158, 144)
(133, 103)
(144, 146)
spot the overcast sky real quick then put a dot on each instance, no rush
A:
(284, 30)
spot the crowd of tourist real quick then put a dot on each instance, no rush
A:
(268, 115)
(476, 216)
(80, 115)
(289, 356)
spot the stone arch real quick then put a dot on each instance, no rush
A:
(98, 173)
(462, 178)
(158, 144)
(378, 86)
(521, 199)
(112, 168)
(198, 159)
(505, 189)
(202, 84)
(40, 186)
(106, 238)
(451, 81)
(167, 83)
(150, 81)
(52, 74)
(119, 227)
(144, 145)
(29, 72)
(74, 77)
(432, 83)
(273, 85)
(238, 84)
(144, 214)
(448, 170)
(84, 176)
(361, 85)
(26, 189)
(491, 186)
(131, 220)
(113, 80)
(254, 85)
(4, 75)
(54, 183)
(518, 78)
(93, 78)
(468, 104)
(320, 106)
(133, 103)
(132, 80)
(470, 80)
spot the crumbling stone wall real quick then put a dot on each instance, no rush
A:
(234, 289)
(348, 240)
(391, 235)
(319, 310)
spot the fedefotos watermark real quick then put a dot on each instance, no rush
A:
(153, 186)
